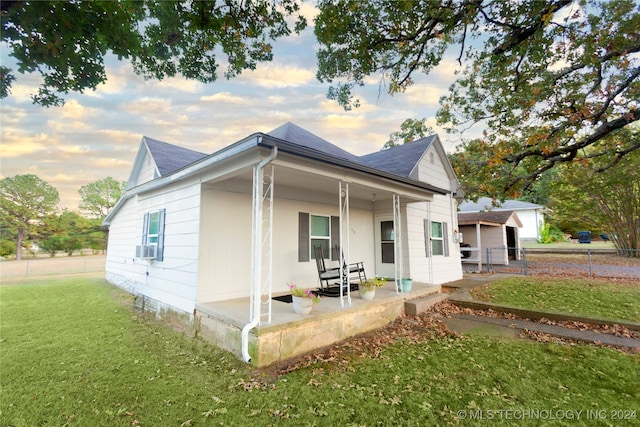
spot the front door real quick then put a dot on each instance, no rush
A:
(385, 252)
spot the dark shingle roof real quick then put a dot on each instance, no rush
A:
(494, 217)
(170, 157)
(293, 133)
(398, 160)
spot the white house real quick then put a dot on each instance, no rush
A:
(195, 230)
(531, 215)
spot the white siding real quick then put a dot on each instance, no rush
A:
(172, 281)
(443, 268)
(147, 171)
(531, 221)
(433, 173)
(225, 256)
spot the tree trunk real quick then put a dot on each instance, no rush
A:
(19, 244)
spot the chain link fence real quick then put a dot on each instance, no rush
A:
(587, 262)
(51, 266)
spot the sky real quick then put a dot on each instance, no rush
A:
(97, 134)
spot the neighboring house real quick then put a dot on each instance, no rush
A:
(194, 229)
(530, 214)
(489, 237)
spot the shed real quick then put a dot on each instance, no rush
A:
(489, 237)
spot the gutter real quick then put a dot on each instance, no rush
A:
(256, 262)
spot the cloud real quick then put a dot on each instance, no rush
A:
(119, 136)
(73, 110)
(275, 75)
(425, 94)
(64, 126)
(344, 121)
(225, 97)
(277, 99)
(178, 84)
(17, 143)
(148, 106)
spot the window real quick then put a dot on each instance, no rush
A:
(437, 244)
(320, 233)
(436, 240)
(317, 230)
(153, 232)
(152, 228)
(387, 245)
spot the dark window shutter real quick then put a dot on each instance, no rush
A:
(335, 237)
(427, 243)
(303, 237)
(445, 239)
(160, 249)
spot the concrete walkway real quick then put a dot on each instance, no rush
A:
(459, 293)
(466, 323)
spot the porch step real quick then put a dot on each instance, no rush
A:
(415, 306)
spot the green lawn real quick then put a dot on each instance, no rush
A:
(597, 298)
(73, 352)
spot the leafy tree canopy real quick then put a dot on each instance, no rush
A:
(547, 78)
(608, 200)
(98, 198)
(66, 41)
(24, 201)
(410, 130)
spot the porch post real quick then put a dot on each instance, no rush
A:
(262, 245)
(479, 240)
(397, 241)
(343, 256)
(257, 246)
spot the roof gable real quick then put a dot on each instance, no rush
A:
(168, 157)
(156, 159)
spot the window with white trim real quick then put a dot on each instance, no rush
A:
(153, 234)
(152, 228)
(317, 230)
(437, 241)
(436, 238)
(320, 233)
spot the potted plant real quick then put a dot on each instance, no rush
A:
(367, 288)
(303, 299)
(406, 283)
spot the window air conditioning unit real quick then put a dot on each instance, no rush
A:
(146, 251)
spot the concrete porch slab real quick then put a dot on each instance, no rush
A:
(289, 334)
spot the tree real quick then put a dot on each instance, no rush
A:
(608, 199)
(25, 201)
(548, 79)
(66, 42)
(98, 198)
(410, 130)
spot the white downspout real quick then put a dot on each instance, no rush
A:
(256, 253)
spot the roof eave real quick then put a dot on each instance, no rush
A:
(297, 150)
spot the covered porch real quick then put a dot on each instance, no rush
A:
(290, 334)
(258, 244)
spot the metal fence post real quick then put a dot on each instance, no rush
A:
(524, 261)
(589, 257)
